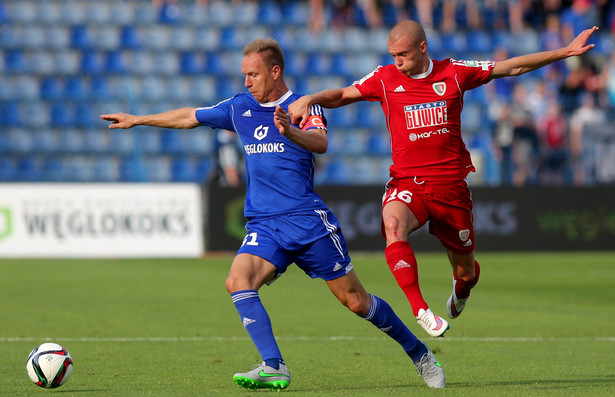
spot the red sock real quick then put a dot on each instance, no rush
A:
(463, 288)
(401, 261)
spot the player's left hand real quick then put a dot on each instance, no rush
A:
(281, 120)
(579, 45)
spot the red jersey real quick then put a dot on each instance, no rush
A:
(423, 116)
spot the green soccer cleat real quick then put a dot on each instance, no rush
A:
(431, 370)
(264, 377)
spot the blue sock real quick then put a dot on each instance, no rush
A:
(256, 321)
(419, 350)
(382, 316)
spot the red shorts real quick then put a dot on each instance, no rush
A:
(447, 207)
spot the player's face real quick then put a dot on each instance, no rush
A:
(408, 56)
(259, 77)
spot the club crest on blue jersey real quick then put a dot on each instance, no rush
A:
(261, 132)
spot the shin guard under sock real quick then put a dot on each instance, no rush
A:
(401, 261)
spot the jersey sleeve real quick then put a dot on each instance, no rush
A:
(217, 116)
(369, 86)
(316, 119)
(472, 74)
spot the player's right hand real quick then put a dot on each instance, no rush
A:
(299, 111)
(119, 120)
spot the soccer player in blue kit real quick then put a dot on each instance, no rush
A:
(287, 220)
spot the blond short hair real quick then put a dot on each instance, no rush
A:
(270, 48)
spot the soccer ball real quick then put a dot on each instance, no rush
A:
(49, 365)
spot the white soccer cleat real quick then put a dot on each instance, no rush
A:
(431, 370)
(434, 325)
(454, 305)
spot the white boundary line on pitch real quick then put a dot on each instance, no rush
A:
(298, 338)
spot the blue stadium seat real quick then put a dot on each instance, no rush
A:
(198, 141)
(50, 89)
(84, 115)
(455, 44)
(60, 115)
(96, 140)
(132, 169)
(317, 64)
(77, 168)
(105, 169)
(3, 16)
(9, 114)
(129, 37)
(295, 13)
(7, 169)
(480, 43)
(183, 170)
(114, 62)
(378, 143)
(189, 63)
(74, 88)
(99, 88)
(158, 169)
(228, 38)
(44, 141)
(203, 168)
(213, 64)
(34, 39)
(337, 172)
(171, 142)
(52, 170)
(14, 61)
(48, 12)
(269, 13)
(121, 142)
(27, 170)
(22, 11)
(80, 38)
(91, 62)
(71, 141)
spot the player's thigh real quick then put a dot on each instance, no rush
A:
(249, 272)
(261, 251)
(326, 257)
(350, 292)
(454, 228)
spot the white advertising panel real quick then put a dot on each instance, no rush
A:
(100, 220)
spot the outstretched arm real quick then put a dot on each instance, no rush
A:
(315, 139)
(179, 118)
(333, 98)
(526, 63)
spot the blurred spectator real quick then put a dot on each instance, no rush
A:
(582, 119)
(552, 131)
(451, 9)
(570, 91)
(227, 169)
(580, 15)
(503, 141)
(609, 81)
(525, 141)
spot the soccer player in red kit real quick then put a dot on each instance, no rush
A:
(422, 100)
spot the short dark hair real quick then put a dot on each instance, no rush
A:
(269, 45)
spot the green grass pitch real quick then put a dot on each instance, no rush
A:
(538, 324)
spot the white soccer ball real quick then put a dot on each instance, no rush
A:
(49, 365)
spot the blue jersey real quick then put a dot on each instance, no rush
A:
(280, 174)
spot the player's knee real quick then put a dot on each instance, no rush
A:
(391, 227)
(356, 304)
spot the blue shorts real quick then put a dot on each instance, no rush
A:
(311, 239)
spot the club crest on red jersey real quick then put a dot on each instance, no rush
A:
(439, 88)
